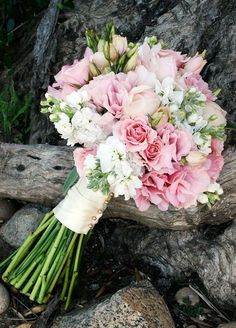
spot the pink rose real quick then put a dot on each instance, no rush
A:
(136, 133)
(211, 109)
(80, 155)
(75, 74)
(195, 64)
(185, 185)
(196, 81)
(158, 156)
(176, 55)
(70, 78)
(161, 63)
(141, 100)
(152, 191)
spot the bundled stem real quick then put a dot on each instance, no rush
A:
(37, 266)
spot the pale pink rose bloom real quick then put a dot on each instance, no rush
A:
(144, 77)
(135, 133)
(211, 108)
(185, 185)
(196, 81)
(179, 58)
(162, 65)
(158, 156)
(111, 91)
(120, 43)
(80, 155)
(152, 191)
(60, 92)
(75, 74)
(195, 64)
(142, 100)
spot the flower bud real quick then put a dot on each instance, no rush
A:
(106, 50)
(160, 117)
(120, 44)
(195, 157)
(101, 44)
(94, 71)
(131, 63)
(132, 51)
(113, 53)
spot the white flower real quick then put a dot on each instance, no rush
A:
(110, 154)
(77, 99)
(166, 90)
(215, 188)
(126, 187)
(63, 126)
(203, 199)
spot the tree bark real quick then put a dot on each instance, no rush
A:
(36, 173)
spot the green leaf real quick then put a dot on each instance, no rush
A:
(70, 180)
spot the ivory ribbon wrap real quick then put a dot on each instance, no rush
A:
(81, 209)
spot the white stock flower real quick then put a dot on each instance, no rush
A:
(64, 126)
(202, 198)
(77, 99)
(126, 187)
(215, 187)
(90, 162)
(110, 154)
(169, 96)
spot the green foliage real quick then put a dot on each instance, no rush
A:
(97, 180)
(14, 115)
(70, 180)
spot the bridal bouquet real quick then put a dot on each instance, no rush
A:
(147, 128)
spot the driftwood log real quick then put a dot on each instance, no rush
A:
(36, 173)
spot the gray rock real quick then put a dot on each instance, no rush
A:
(4, 299)
(7, 209)
(138, 306)
(187, 293)
(228, 325)
(24, 221)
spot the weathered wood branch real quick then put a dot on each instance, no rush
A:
(36, 173)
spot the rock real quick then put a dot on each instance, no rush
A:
(192, 326)
(4, 299)
(173, 255)
(228, 325)
(187, 293)
(7, 209)
(138, 306)
(24, 221)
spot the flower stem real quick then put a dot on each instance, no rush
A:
(75, 271)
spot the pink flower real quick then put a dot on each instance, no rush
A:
(75, 74)
(80, 155)
(152, 191)
(179, 58)
(136, 133)
(141, 100)
(195, 80)
(185, 185)
(70, 78)
(163, 64)
(99, 60)
(111, 91)
(180, 140)
(215, 159)
(158, 156)
(195, 64)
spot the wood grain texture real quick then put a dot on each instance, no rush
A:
(36, 173)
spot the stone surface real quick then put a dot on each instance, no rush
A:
(173, 256)
(4, 298)
(187, 293)
(228, 325)
(24, 221)
(138, 306)
(7, 209)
